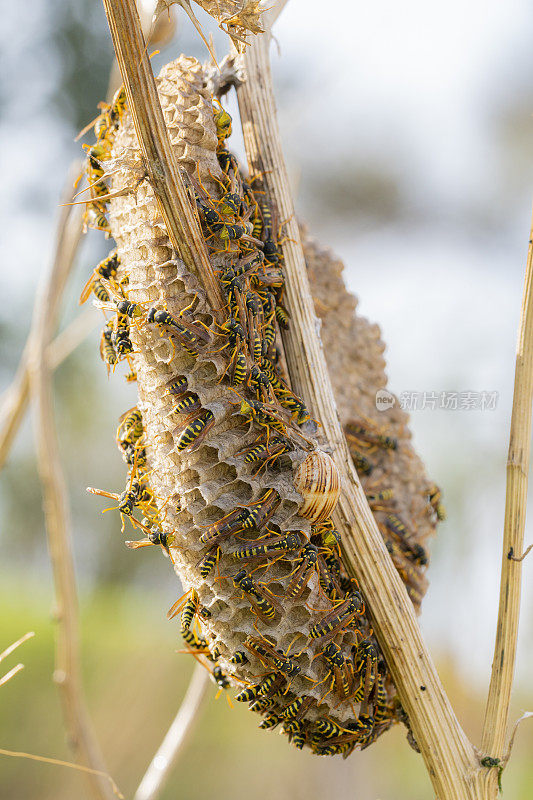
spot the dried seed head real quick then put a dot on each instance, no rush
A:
(318, 482)
(239, 18)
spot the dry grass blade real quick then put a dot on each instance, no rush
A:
(161, 167)
(67, 672)
(11, 674)
(164, 760)
(449, 756)
(503, 664)
(59, 763)
(7, 652)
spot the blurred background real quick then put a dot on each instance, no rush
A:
(408, 132)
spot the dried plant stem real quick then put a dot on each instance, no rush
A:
(164, 760)
(503, 664)
(67, 671)
(450, 758)
(15, 399)
(13, 407)
(159, 160)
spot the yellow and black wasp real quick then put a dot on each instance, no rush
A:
(208, 562)
(435, 501)
(306, 564)
(239, 657)
(108, 353)
(271, 685)
(254, 516)
(331, 739)
(106, 269)
(97, 219)
(267, 653)
(261, 383)
(228, 525)
(272, 547)
(261, 704)
(130, 428)
(311, 559)
(297, 708)
(240, 368)
(338, 669)
(265, 453)
(382, 711)
(178, 386)
(413, 550)
(269, 722)
(227, 162)
(110, 117)
(376, 498)
(138, 495)
(296, 406)
(326, 534)
(189, 403)
(365, 666)
(120, 336)
(415, 582)
(189, 606)
(223, 123)
(296, 733)
(156, 536)
(328, 728)
(191, 336)
(262, 601)
(360, 462)
(195, 431)
(134, 455)
(364, 433)
(221, 680)
(339, 617)
(265, 414)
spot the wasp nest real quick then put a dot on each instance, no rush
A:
(223, 464)
(405, 504)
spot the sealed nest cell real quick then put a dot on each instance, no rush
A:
(224, 472)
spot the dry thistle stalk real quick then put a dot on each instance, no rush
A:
(223, 460)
